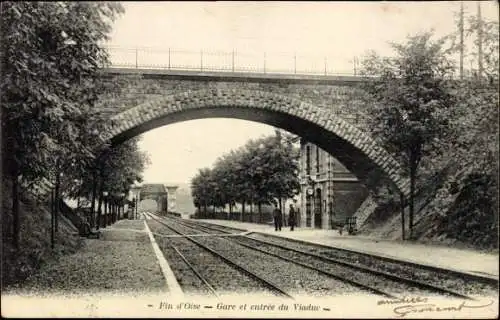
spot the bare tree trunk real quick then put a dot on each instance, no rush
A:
(99, 206)
(461, 26)
(251, 212)
(15, 212)
(52, 217)
(58, 202)
(479, 40)
(413, 171)
(402, 204)
(93, 197)
(108, 218)
(260, 212)
(242, 210)
(280, 203)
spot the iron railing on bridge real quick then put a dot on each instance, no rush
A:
(238, 62)
(234, 61)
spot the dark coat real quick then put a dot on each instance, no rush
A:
(292, 219)
(277, 214)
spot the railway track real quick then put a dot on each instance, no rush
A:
(289, 275)
(322, 263)
(261, 282)
(464, 284)
(323, 270)
(193, 269)
(362, 257)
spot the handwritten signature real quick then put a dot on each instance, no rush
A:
(429, 307)
(407, 300)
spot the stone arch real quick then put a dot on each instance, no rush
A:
(156, 192)
(354, 148)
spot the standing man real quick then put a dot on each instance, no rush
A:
(292, 217)
(277, 217)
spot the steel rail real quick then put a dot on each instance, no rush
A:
(273, 287)
(208, 285)
(472, 277)
(327, 273)
(394, 277)
(386, 275)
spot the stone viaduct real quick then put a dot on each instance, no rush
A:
(325, 110)
(162, 194)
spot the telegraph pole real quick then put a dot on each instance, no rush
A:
(461, 26)
(479, 40)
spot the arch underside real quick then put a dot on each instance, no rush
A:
(353, 148)
(152, 196)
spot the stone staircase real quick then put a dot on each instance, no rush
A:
(76, 218)
(365, 210)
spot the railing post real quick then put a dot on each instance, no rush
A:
(325, 66)
(136, 54)
(233, 62)
(201, 60)
(168, 58)
(354, 62)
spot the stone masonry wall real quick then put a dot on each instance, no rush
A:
(327, 110)
(128, 91)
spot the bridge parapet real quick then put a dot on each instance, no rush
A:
(231, 61)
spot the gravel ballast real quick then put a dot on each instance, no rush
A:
(294, 279)
(224, 278)
(441, 279)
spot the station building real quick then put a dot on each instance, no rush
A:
(329, 193)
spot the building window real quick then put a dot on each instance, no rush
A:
(308, 160)
(317, 159)
(308, 211)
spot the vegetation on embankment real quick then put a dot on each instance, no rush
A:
(52, 121)
(456, 172)
(460, 206)
(35, 241)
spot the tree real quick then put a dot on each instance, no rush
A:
(412, 95)
(257, 173)
(284, 157)
(50, 61)
(243, 189)
(485, 36)
(118, 168)
(200, 189)
(471, 148)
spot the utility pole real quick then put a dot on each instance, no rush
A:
(461, 26)
(479, 40)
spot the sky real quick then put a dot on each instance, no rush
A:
(309, 30)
